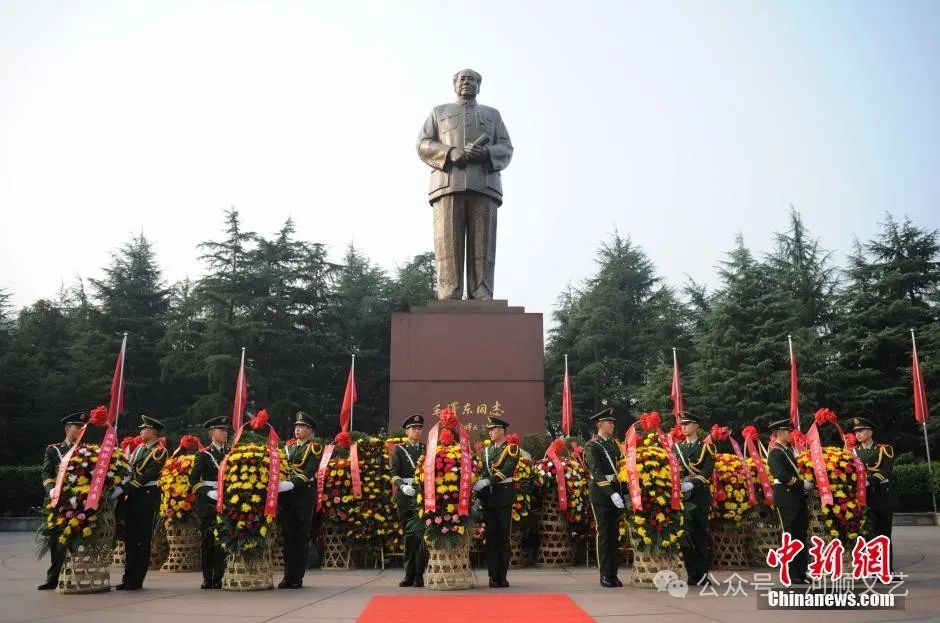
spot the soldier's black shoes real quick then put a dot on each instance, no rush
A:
(608, 582)
(48, 586)
(419, 581)
(206, 585)
(494, 583)
(617, 581)
(124, 586)
(217, 584)
(408, 581)
(296, 584)
(121, 587)
(503, 584)
(800, 581)
(285, 583)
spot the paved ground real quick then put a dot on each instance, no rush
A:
(341, 596)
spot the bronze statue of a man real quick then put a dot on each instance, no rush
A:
(466, 145)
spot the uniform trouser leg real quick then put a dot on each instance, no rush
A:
(795, 520)
(608, 540)
(414, 561)
(882, 520)
(296, 525)
(213, 558)
(57, 553)
(450, 229)
(696, 549)
(142, 510)
(497, 541)
(481, 212)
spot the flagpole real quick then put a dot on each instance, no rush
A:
(121, 381)
(352, 404)
(919, 384)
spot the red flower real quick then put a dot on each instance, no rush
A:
(650, 421)
(719, 433)
(559, 447)
(797, 438)
(189, 442)
(749, 432)
(513, 439)
(343, 440)
(98, 416)
(825, 416)
(260, 420)
(449, 418)
(850, 441)
(129, 444)
(446, 437)
(676, 433)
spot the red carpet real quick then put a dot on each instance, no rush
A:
(460, 608)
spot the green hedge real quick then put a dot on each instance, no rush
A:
(20, 490)
(912, 484)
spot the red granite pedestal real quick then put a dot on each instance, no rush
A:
(480, 357)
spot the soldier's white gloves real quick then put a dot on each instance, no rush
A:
(408, 490)
(807, 485)
(213, 495)
(51, 492)
(480, 484)
(687, 486)
(617, 500)
(284, 485)
(116, 493)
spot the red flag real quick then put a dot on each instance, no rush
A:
(921, 412)
(349, 398)
(117, 386)
(241, 397)
(678, 405)
(794, 390)
(567, 408)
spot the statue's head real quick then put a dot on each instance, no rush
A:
(467, 83)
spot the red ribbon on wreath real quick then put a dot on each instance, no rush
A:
(553, 455)
(449, 419)
(750, 435)
(633, 478)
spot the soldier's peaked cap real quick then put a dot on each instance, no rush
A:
(495, 422)
(413, 420)
(148, 422)
(610, 412)
(689, 418)
(304, 419)
(861, 422)
(783, 424)
(79, 418)
(216, 422)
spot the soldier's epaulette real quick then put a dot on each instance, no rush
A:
(513, 450)
(887, 449)
(156, 453)
(316, 448)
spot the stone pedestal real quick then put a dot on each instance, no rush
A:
(481, 357)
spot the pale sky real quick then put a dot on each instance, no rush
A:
(677, 123)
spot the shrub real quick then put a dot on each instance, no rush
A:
(912, 484)
(20, 490)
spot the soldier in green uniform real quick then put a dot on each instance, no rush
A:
(602, 455)
(697, 462)
(55, 452)
(497, 494)
(203, 478)
(405, 457)
(790, 495)
(880, 497)
(297, 500)
(142, 503)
